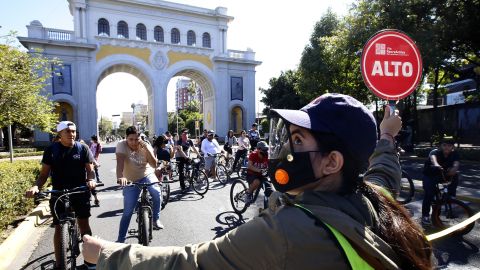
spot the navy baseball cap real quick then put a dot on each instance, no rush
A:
(341, 115)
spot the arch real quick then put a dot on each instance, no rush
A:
(131, 65)
(191, 38)
(237, 118)
(103, 27)
(122, 29)
(141, 32)
(205, 79)
(64, 111)
(206, 41)
(175, 36)
(158, 34)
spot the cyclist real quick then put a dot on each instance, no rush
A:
(441, 160)
(242, 150)
(230, 142)
(253, 136)
(70, 165)
(203, 137)
(330, 218)
(136, 163)
(164, 153)
(210, 147)
(169, 138)
(182, 153)
(257, 165)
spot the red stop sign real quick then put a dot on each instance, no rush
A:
(391, 65)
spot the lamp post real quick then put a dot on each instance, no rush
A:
(133, 114)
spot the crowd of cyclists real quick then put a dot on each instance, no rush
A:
(310, 159)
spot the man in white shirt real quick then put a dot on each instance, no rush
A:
(210, 148)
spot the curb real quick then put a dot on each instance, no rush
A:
(22, 236)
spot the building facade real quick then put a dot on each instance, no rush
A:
(154, 41)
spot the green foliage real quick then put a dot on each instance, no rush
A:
(15, 179)
(21, 154)
(193, 106)
(122, 128)
(282, 93)
(23, 77)
(105, 127)
(265, 124)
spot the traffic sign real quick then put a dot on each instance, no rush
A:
(391, 65)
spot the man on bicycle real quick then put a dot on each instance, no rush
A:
(210, 148)
(70, 164)
(136, 163)
(257, 166)
(182, 154)
(243, 146)
(443, 160)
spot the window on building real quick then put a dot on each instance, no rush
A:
(206, 40)
(158, 34)
(103, 27)
(141, 32)
(122, 29)
(191, 38)
(175, 36)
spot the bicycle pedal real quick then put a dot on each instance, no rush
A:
(132, 231)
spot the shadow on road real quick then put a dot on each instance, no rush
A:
(231, 219)
(456, 252)
(41, 263)
(111, 213)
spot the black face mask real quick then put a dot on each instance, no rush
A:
(299, 171)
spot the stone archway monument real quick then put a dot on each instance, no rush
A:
(154, 41)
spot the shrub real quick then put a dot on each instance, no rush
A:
(21, 154)
(15, 179)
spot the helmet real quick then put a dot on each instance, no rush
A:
(211, 132)
(262, 146)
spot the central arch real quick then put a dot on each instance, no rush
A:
(112, 65)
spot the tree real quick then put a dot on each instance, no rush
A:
(193, 106)
(23, 99)
(105, 127)
(122, 128)
(282, 93)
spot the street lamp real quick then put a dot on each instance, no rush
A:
(133, 114)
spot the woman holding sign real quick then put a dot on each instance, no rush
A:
(328, 218)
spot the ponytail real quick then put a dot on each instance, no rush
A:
(397, 228)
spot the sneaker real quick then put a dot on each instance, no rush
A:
(158, 225)
(426, 221)
(97, 202)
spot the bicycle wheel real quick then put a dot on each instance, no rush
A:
(165, 192)
(238, 196)
(143, 229)
(407, 189)
(450, 213)
(64, 241)
(76, 238)
(199, 181)
(222, 174)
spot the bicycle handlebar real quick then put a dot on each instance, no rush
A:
(67, 191)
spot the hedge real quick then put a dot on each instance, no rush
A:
(22, 154)
(15, 179)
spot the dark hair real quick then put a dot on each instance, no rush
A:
(395, 225)
(94, 137)
(228, 133)
(131, 130)
(159, 141)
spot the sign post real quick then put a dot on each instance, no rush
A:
(391, 65)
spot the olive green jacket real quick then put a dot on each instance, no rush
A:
(282, 237)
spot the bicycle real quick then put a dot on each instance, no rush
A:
(165, 186)
(70, 236)
(194, 176)
(238, 194)
(221, 171)
(241, 168)
(227, 161)
(144, 214)
(407, 188)
(448, 211)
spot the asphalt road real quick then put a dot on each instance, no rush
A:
(191, 218)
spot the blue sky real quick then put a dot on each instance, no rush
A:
(277, 31)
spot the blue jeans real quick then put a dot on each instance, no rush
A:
(130, 198)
